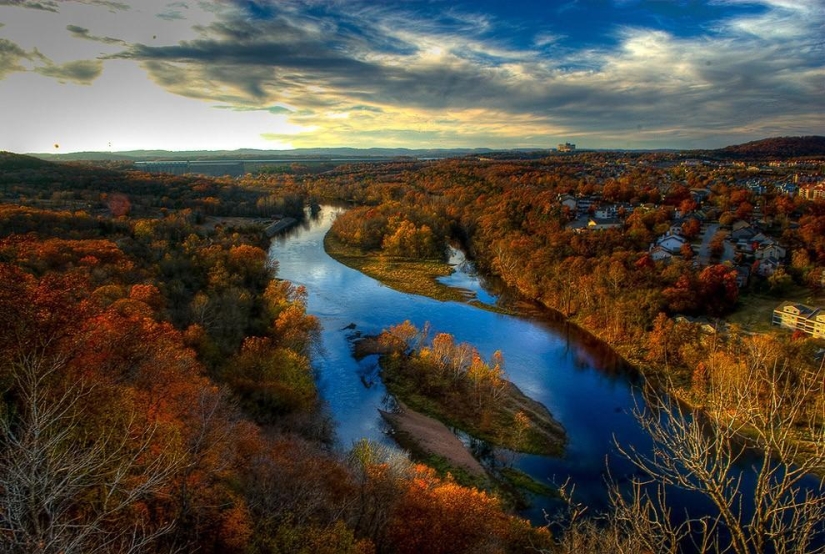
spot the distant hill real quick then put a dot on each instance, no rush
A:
(778, 147)
(250, 154)
(11, 161)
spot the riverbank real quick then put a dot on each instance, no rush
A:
(401, 274)
(414, 430)
(406, 275)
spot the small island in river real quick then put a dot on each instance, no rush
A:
(452, 383)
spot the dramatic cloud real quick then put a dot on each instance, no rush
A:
(54, 6)
(640, 73)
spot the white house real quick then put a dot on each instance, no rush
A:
(671, 243)
(770, 250)
(607, 211)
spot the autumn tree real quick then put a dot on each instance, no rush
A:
(457, 520)
(272, 381)
(718, 288)
(62, 491)
(780, 410)
(79, 457)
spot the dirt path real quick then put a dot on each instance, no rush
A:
(434, 437)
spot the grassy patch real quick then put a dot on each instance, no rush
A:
(754, 311)
(522, 481)
(401, 274)
(406, 275)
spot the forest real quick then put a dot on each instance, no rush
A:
(158, 394)
(157, 380)
(667, 317)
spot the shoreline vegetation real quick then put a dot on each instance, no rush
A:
(421, 423)
(419, 278)
(440, 385)
(407, 275)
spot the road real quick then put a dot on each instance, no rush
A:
(703, 256)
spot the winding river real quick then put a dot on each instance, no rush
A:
(582, 383)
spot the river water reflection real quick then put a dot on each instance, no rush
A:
(583, 384)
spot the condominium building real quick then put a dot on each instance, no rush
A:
(800, 317)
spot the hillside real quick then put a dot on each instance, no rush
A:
(777, 147)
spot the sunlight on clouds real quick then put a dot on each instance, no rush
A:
(208, 75)
(433, 52)
(425, 129)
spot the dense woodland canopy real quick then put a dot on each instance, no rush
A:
(157, 383)
(157, 391)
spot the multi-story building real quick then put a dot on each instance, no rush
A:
(813, 191)
(799, 317)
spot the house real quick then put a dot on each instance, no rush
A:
(756, 187)
(770, 249)
(744, 246)
(707, 213)
(761, 238)
(659, 254)
(671, 243)
(608, 211)
(568, 201)
(767, 266)
(584, 204)
(789, 189)
(741, 230)
(799, 317)
(705, 325)
(813, 191)
(699, 195)
(578, 225)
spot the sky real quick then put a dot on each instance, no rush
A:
(112, 75)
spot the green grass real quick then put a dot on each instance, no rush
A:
(754, 311)
(408, 275)
(522, 481)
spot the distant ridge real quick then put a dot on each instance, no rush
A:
(9, 160)
(251, 153)
(777, 147)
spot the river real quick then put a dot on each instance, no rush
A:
(582, 382)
